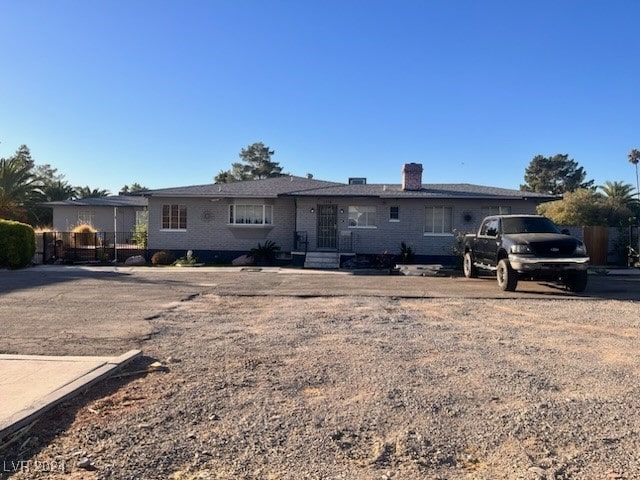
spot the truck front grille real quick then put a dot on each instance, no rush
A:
(553, 249)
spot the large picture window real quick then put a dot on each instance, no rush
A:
(251, 214)
(174, 217)
(438, 221)
(362, 216)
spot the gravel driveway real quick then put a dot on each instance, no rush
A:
(343, 377)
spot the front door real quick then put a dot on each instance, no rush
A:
(327, 226)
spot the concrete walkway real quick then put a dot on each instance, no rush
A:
(32, 384)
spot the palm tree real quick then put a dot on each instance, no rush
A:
(619, 200)
(87, 192)
(51, 191)
(634, 157)
(619, 192)
(19, 187)
(59, 190)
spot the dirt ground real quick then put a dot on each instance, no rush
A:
(269, 376)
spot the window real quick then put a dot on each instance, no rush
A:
(394, 214)
(496, 210)
(490, 228)
(438, 221)
(85, 217)
(362, 217)
(174, 217)
(250, 214)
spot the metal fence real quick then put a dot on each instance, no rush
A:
(98, 247)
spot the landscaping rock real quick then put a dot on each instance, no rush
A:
(242, 261)
(135, 260)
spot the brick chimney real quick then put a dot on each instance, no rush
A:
(412, 176)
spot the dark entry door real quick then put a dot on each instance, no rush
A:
(327, 226)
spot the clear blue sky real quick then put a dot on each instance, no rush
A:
(166, 93)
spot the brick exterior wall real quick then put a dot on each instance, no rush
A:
(388, 235)
(208, 226)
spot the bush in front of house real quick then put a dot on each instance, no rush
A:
(406, 253)
(162, 258)
(17, 244)
(85, 234)
(265, 254)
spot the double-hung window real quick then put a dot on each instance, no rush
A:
(362, 216)
(174, 217)
(394, 214)
(438, 220)
(250, 214)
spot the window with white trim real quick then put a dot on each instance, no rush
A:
(174, 217)
(362, 216)
(394, 214)
(496, 210)
(438, 220)
(85, 217)
(250, 214)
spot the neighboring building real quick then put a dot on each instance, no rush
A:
(222, 221)
(120, 212)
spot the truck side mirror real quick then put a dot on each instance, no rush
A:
(565, 231)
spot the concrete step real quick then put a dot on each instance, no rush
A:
(322, 260)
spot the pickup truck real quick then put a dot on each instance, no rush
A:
(528, 247)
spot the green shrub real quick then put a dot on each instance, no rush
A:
(162, 258)
(264, 254)
(141, 234)
(406, 253)
(17, 244)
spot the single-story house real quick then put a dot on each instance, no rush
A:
(304, 216)
(105, 214)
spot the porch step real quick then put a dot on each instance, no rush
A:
(322, 260)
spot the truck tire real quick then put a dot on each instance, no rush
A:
(577, 282)
(469, 269)
(507, 277)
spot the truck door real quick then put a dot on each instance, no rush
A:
(487, 242)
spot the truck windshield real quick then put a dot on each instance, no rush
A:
(529, 225)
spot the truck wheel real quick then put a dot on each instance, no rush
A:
(577, 282)
(507, 277)
(470, 270)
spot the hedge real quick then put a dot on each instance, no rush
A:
(17, 244)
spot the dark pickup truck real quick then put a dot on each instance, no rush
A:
(528, 247)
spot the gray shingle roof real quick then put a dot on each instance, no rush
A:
(437, 190)
(110, 201)
(305, 187)
(265, 188)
